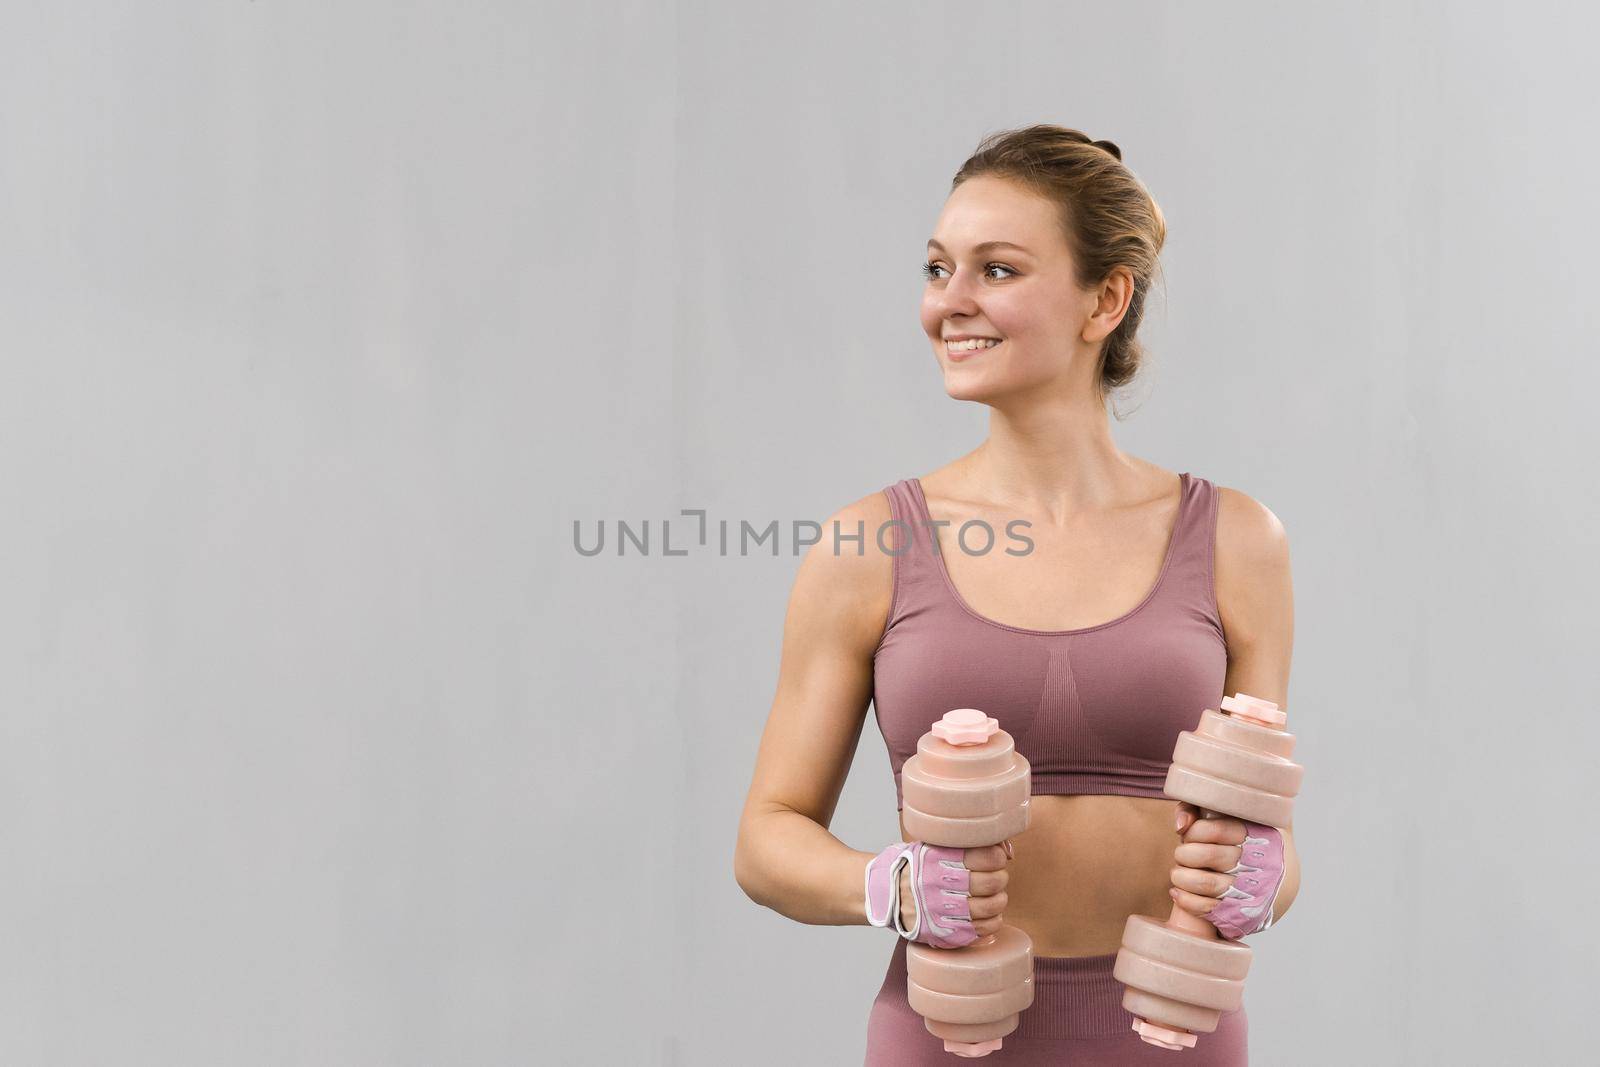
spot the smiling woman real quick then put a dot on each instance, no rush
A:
(1095, 221)
(1145, 595)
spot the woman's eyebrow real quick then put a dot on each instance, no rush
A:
(986, 246)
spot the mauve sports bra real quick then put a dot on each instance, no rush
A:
(1094, 710)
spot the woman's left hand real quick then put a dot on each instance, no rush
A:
(1214, 856)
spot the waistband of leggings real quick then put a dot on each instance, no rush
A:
(1073, 996)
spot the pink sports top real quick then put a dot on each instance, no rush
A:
(1094, 710)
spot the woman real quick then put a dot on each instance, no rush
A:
(1126, 600)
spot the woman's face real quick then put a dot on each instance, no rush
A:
(1022, 292)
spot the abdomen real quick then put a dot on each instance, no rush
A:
(1084, 865)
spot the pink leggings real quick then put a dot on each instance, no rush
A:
(1076, 1018)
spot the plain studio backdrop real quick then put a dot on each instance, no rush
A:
(322, 324)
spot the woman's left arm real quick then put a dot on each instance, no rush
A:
(1255, 599)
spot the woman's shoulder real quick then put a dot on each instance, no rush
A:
(866, 515)
(847, 574)
(1254, 587)
(1245, 526)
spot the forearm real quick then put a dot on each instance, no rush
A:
(787, 862)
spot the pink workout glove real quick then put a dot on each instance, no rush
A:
(1245, 907)
(940, 884)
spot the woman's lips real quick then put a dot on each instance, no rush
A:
(968, 353)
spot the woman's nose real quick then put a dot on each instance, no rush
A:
(957, 296)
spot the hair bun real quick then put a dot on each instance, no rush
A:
(1109, 146)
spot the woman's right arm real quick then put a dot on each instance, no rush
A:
(785, 858)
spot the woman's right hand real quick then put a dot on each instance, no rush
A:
(986, 894)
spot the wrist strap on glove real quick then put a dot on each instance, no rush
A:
(940, 890)
(883, 886)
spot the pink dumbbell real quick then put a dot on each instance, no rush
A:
(966, 787)
(1182, 975)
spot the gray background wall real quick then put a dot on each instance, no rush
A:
(320, 324)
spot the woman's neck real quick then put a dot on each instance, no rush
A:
(1058, 459)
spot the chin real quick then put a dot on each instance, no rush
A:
(978, 388)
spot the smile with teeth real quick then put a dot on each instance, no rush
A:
(970, 346)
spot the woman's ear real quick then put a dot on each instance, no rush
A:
(1111, 302)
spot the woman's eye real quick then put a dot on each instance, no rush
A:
(929, 269)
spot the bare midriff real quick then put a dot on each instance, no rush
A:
(1084, 864)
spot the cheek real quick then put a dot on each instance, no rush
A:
(1014, 317)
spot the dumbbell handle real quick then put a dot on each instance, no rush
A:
(1187, 921)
